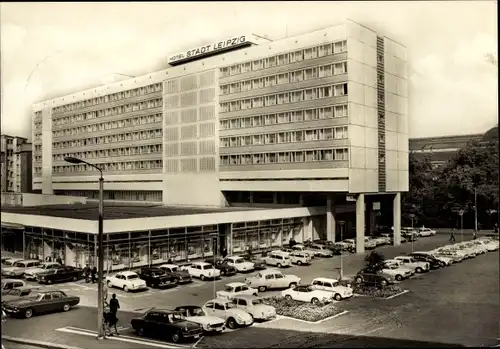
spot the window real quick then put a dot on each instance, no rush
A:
(270, 81)
(270, 119)
(340, 90)
(246, 67)
(283, 118)
(310, 73)
(283, 59)
(224, 90)
(296, 56)
(325, 92)
(340, 154)
(270, 100)
(309, 94)
(224, 124)
(296, 76)
(340, 111)
(283, 98)
(310, 53)
(258, 158)
(340, 47)
(257, 102)
(325, 113)
(271, 158)
(325, 50)
(258, 64)
(257, 140)
(246, 122)
(283, 79)
(297, 96)
(311, 135)
(235, 87)
(340, 68)
(246, 85)
(246, 104)
(270, 138)
(341, 132)
(296, 116)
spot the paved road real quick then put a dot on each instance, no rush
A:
(200, 291)
(10, 345)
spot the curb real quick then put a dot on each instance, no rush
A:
(41, 344)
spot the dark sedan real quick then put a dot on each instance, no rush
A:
(39, 303)
(168, 324)
(157, 277)
(225, 269)
(259, 263)
(434, 263)
(182, 276)
(59, 275)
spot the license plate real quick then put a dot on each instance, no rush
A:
(197, 336)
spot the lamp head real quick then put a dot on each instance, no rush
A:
(73, 160)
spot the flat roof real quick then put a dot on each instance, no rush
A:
(90, 211)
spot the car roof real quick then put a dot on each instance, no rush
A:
(29, 260)
(270, 271)
(51, 263)
(152, 268)
(168, 266)
(325, 279)
(201, 263)
(161, 310)
(13, 280)
(15, 259)
(249, 297)
(29, 287)
(188, 307)
(127, 272)
(236, 284)
(218, 300)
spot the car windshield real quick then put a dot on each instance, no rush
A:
(208, 266)
(131, 277)
(175, 317)
(257, 301)
(173, 269)
(228, 289)
(392, 266)
(239, 260)
(19, 264)
(197, 312)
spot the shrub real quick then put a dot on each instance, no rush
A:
(374, 260)
(373, 291)
(303, 311)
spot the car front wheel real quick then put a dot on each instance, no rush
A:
(299, 263)
(359, 280)
(176, 337)
(66, 307)
(125, 288)
(231, 323)
(140, 331)
(337, 297)
(315, 301)
(202, 277)
(262, 288)
(292, 285)
(288, 297)
(109, 284)
(419, 270)
(383, 283)
(399, 277)
(28, 313)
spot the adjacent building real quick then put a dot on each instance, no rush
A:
(16, 164)
(314, 128)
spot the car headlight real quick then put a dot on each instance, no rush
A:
(209, 327)
(185, 329)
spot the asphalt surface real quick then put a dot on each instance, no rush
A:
(10, 345)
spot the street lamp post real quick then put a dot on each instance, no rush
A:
(216, 237)
(100, 235)
(461, 213)
(412, 216)
(341, 250)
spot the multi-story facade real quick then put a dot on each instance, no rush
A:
(323, 114)
(16, 164)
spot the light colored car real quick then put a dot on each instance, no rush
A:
(490, 245)
(426, 232)
(127, 281)
(210, 324)
(412, 263)
(9, 262)
(278, 258)
(227, 310)
(466, 252)
(269, 279)
(331, 285)
(8, 284)
(370, 243)
(240, 264)
(445, 260)
(300, 258)
(308, 294)
(31, 273)
(236, 289)
(382, 240)
(20, 267)
(410, 230)
(478, 248)
(202, 270)
(397, 270)
(346, 244)
(255, 306)
(320, 250)
(302, 248)
(454, 255)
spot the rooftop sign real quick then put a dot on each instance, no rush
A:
(211, 49)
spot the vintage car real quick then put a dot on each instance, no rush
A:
(339, 291)
(300, 258)
(444, 252)
(307, 293)
(396, 269)
(63, 274)
(157, 277)
(182, 276)
(490, 245)
(10, 261)
(169, 324)
(8, 284)
(127, 281)
(346, 244)
(304, 249)
(425, 257)
(374, 277)
(235, 289)
(19, 268)
(370, 244)
(210, 324)
(240, 264)
(444, 260)
(278, 258)
(223, 266)
(226, 309)
(258, 263)
(255, 306)
(320, 250)
(330, 245)
(31, 273)
(40, 302)
(18, 292)
(460, 249)
(412, 263)
(202, 270)
(426, 232)
(269, 279)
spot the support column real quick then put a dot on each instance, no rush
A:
(330, 220)
(371, 218)
(396, 214)
(360, 223)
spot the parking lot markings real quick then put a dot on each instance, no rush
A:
(397, 295)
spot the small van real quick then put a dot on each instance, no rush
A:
(279, 258)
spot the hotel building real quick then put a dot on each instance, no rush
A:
(306, 130)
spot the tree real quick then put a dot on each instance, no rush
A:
(374, 260)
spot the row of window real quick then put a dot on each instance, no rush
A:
(109, 98)
(122, 137)
(118, 110)
(113, 166)
(286, 97)
(285, 117)
(125, 151)
(285, 157)
(285, 78)
(286, 137)
(109, 125)
(285, 58)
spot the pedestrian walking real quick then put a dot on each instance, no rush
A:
(114, 305)
(110, 322)
(452, 235)
(86, 272)
(93, 274)
(170, 261)
(474, 235)
(224, 252)
(495, 228)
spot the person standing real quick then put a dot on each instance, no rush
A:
(224, 252)
(452, 235)
(114, 305)
(495, 229)
(86, 272)
(94, 274)
(474, 235)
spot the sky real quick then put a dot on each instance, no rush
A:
(54, 49)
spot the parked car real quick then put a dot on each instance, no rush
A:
(347, 244)
(308, 294)
(445, 260)
(331, 246)
(227, 310)
(412, 263)
(278, 258)
(320, 250)
(373, 277)
(31, 273)
(127, 281)
(157, 277)
(255, 307)
(434, 263)
(202, 270)
(370, 244)
(10, 261)
(426, 232)
(210, 324)
(491, 245)
(381, 240)
(444, 252)
(182, 276)
(304, 249)
(339, 291)
(258, 263)
(240, 264)
(5, 259)
(235, 289)
(41, 302)
(396, 269)
(409, 234)
(64, 274)
(18, 293)
(269, 279)
(19, 268)
(299, 258)
(8, 284)
(466, 252)
(223, 266)
(168, 324)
